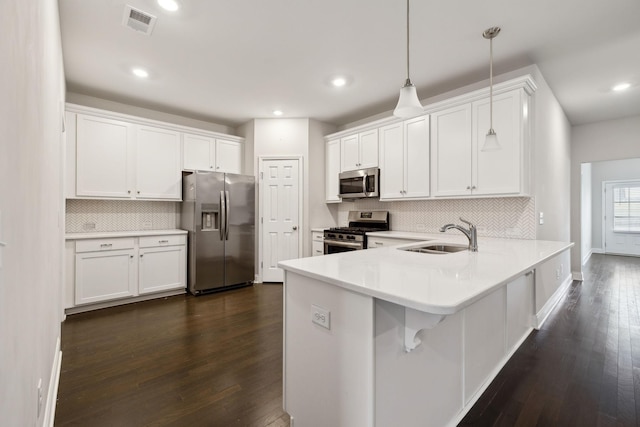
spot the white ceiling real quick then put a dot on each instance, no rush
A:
(229, 61)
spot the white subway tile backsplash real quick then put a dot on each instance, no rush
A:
(509, 217)
(120, 215)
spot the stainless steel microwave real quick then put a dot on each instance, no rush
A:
(360, 183)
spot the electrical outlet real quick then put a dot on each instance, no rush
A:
(557, 273)
(541, 218)
(321, 316)
(40, 397)
(89, 226)
(147, 225)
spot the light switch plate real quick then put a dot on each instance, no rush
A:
(321, 316)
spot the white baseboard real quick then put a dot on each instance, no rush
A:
(598, 251)
(585, 259)
(577, 275)
(52, 393)
(546, 310)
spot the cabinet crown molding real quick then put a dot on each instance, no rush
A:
(82, 109)
(525, 82)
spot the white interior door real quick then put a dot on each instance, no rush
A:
(622, 218)
(280, 215)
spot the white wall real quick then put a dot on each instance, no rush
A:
(607, 140)
(585, 208)
(321, 214)
(31, 201)
(286, 137)
(104, 104)
(616, 170)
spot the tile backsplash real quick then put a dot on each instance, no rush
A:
(510, 217)
(86, 216)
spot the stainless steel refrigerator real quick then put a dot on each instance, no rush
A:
(218, 211)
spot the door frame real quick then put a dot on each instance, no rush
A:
(604, 209)
(301, 219)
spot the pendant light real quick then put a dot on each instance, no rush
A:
(408, 103)
(491, 140)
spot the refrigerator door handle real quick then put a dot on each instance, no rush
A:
(223, 215)
(226, 216)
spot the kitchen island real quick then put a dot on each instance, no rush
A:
(390, 337)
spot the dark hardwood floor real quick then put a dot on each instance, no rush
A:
(216, 360)
(583, 367)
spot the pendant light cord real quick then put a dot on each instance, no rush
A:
(491, 83)
(408, 79)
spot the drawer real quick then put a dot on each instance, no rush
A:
(317, 236)
(170, 240)
(97, 245)
(379, 242)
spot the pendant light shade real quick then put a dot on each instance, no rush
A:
(491, 141)
(408, 103)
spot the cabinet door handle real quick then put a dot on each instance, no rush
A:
(318, 251)
(473, 187)
(131, 256)
(106, 245)
(138, 192)
(468, 187)
(211, 167)
(379, 243)
(128, 191)
(163, 241)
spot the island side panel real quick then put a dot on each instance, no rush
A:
(328, 373)
(422, 388)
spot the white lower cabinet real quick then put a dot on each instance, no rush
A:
(161, 268)
(120, 268)
(105, 270)
(317, 243)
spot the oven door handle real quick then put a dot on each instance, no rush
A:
(343, 244)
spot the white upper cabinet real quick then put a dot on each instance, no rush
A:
(359, 151)
(158, 173)
(115, 156)
(103, 151)
(404, 160)
(116, 159)
(499, 172)
(211, 154)
(228, 156)
(451, 151)
(460, 167)
(332, 170)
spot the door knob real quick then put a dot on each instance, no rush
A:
(295, 227)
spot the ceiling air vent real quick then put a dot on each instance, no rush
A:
(138, 20)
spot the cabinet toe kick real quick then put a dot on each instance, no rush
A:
(414, 322)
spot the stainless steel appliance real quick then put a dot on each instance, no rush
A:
(359, 184)
(218, 212)
(354, 237)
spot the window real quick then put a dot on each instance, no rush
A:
(626, 207)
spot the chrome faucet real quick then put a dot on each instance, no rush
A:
(471, 233)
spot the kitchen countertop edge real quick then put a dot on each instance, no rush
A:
(114, 234)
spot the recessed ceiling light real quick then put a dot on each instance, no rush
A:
(140, 72)
(339, 81)
(170, 5)
(621, 86)
(277, 113)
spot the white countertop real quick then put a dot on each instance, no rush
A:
(439, 284)
(408, 235)
(109, 234)
(320, 229)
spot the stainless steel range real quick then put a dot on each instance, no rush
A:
(354, 237)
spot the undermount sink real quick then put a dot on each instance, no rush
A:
(437, 248)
